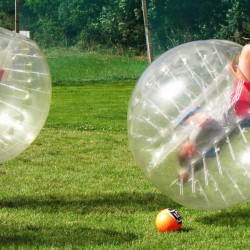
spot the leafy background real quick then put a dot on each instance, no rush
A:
(118, 24)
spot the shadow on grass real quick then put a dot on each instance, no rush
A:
(61, 236)
(12, 234)
(231, 217)
(102, 203)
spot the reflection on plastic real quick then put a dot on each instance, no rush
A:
(183, 99)
(25, 93)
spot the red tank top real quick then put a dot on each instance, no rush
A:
(1, 74)
(240, 98)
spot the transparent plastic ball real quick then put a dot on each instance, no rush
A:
(25, 93)
(185, 97)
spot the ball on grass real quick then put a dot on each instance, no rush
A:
(168, 220)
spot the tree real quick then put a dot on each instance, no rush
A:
(176, 21)
(7, 14)
(119, 23)
(236, 25)
(86, 23)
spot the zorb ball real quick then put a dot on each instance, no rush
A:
(25, 93)
(182, 129)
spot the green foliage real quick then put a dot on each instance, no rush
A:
(78, 18)
(236, 17)
(7, 21)
(86, 23)
(7, 14)
(175, 21)
(7, 6)
(89, 24)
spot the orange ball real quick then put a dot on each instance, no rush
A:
(168, 220)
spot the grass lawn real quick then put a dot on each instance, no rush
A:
(72, 67)
(78, 187)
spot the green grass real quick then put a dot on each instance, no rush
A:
(78, 187)
(73, 67)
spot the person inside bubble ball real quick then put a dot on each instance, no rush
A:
(240, 97)
(206, 127)
(200, 142)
